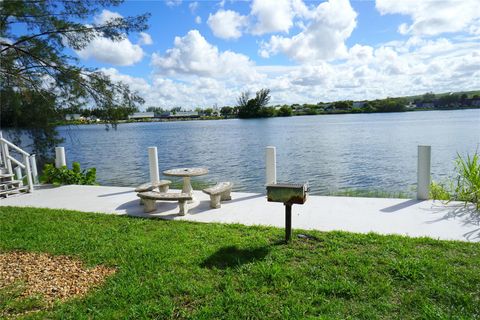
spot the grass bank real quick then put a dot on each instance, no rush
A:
(173, 269)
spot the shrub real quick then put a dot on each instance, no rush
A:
(465, 187)
(63, 175)
(468, 179)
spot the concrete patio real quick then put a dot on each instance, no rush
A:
(385, 216)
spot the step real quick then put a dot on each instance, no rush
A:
(10, 192)
(6, 175)
(10, 183)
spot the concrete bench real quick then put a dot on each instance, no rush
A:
(162, 186)
(150, 198)
(219, 192)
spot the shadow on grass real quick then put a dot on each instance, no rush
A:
(230, 257)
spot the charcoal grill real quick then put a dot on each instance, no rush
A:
(288, 194)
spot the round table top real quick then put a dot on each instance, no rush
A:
(186, 172)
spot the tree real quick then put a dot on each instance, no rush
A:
(342, 105)
(35, 62)
(285, 111)
(35, 113)
(157, 110)
(390, 105)
(368, 107)
(208, 112)
(428, 97)
(256, 107)
(226, 111)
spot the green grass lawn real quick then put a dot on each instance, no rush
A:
(174, 269)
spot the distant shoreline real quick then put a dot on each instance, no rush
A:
(338, 112)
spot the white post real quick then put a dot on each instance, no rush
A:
(33, 164)
(1, 150)
(28, 172)
(18, 174)
(423, 172)
(153, 160)
(60, 160)
(6, 154)
(271, 165)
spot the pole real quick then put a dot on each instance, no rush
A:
(60, 160)
(270, 165)
(1, 150)
(33, 165)
(288, 222)
(153, 160)
(423, 172)
(28, 172)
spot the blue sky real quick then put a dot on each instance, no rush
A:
(204, 53)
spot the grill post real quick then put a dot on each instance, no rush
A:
(288, 222)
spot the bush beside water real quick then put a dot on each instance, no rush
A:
(63, 175)
(465, 187)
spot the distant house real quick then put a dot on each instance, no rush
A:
(475, 102)
(142, 115)
(427, 105)
(73, 117)
(180, 114)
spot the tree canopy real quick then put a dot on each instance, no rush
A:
(33, 37)
(36, 37)
(255, 107)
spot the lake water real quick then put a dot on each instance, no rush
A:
(331, 152)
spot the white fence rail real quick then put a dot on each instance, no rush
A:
(18, 162)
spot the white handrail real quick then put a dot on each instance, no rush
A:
(18, 163)
(28, 164)
(14, 147)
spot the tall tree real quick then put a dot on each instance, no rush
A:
(255, 107)
(34, 62)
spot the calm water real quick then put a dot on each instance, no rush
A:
(334, 152)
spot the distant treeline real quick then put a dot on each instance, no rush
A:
(37, 111)
(257, 107)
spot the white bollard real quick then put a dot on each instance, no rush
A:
(153, 160)
(1, 150)
(33, 165)
(423, 172)
(270, 165)
(60, 160)
(18, 175)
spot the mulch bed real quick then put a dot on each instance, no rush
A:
(51, 277)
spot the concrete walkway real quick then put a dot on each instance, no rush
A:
(384, 216)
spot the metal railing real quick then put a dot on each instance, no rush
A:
(18, 162)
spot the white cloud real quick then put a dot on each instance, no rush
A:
(120, 53)
(266, 16)
(193, 6)
(198, 20)
(173, 3)
(360, 54)
(272, 16)
(227, 24)
(323, 39)
(434, 17)
(105, 16)
(193, 55)
(145, 39)
(195, 73)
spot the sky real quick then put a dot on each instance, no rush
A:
(205, 53)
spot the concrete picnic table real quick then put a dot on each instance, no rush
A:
(186, 174)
